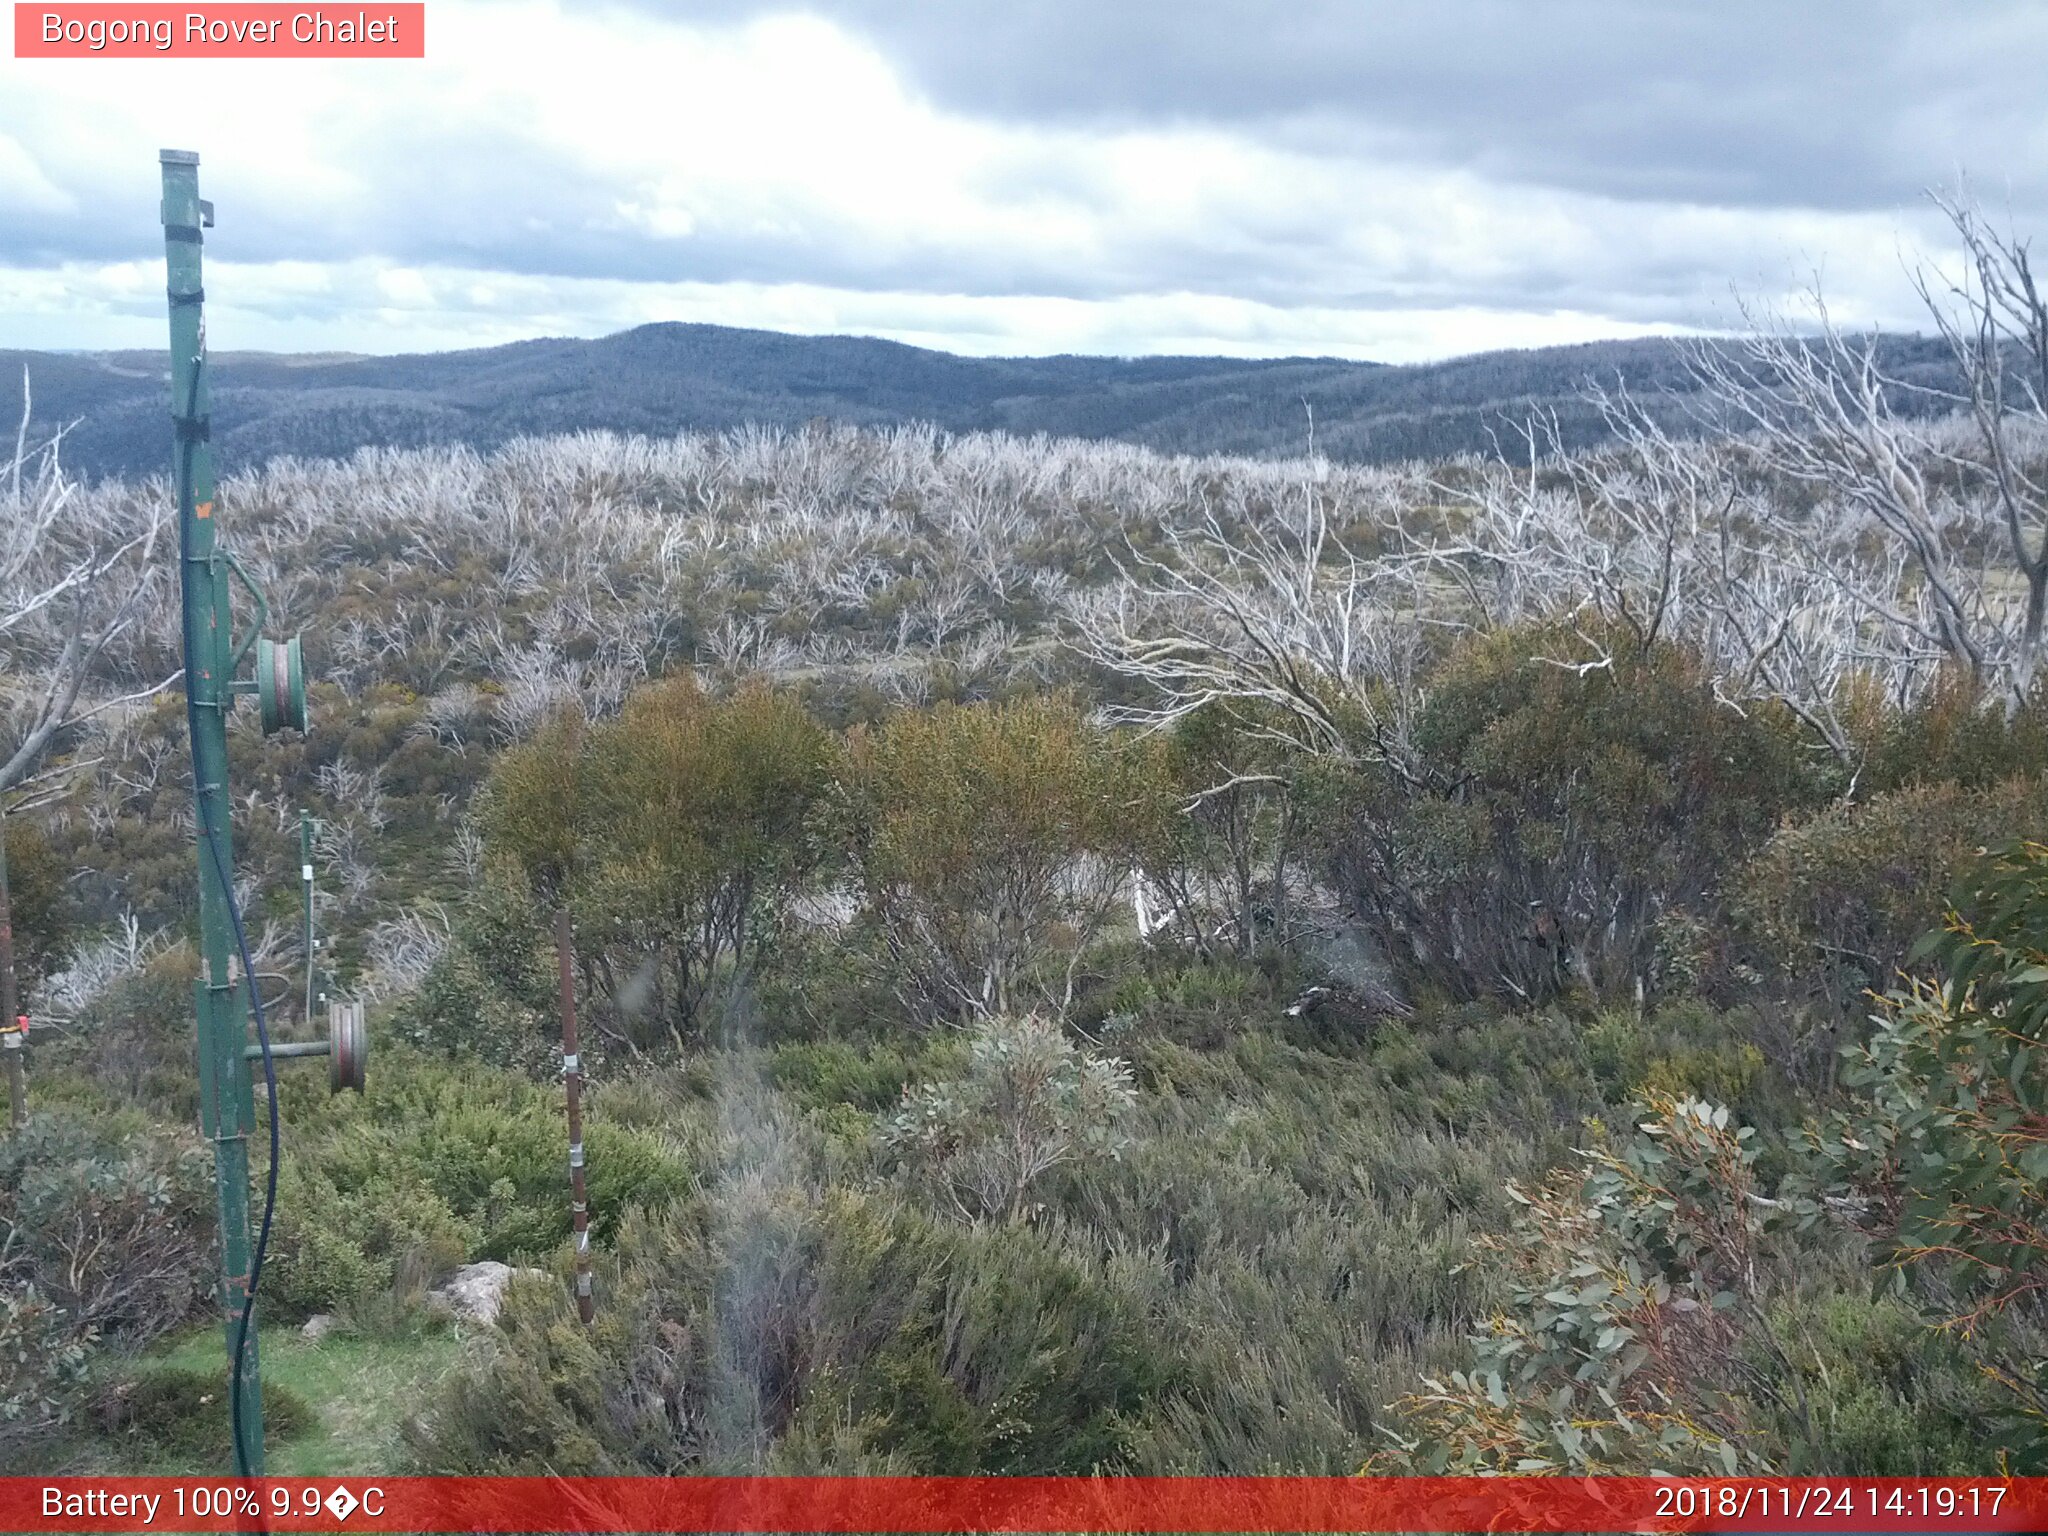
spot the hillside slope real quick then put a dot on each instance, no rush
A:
(660, 379)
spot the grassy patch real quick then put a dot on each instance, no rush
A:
(172, 1415)
(358, 1391)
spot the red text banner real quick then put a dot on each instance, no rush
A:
(248, 29)
(1023, 1504)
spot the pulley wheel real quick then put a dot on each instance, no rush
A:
(348, 1047)
(281, 685)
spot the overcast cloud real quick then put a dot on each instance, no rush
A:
(1338, 177)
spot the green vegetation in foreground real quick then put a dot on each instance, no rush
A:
(348, 1397)
(910, 1153)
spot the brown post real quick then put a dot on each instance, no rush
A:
(572, 1081)
(11, 1041)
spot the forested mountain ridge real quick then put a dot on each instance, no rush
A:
(665, 378)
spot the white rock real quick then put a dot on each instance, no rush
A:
(318, 1326)
(476, 1291)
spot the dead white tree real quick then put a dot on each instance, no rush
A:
(1822, 422)
(1273, 618)
(1667, 537)
(1925, 506)
(75, 576)
(1996, 325)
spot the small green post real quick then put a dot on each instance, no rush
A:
(306, 884)
(227, 1101)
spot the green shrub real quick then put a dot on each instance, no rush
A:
(1727, 1070)
(332, 1250)
(1878, 1392)
(816, 1074)
(1943, 1150)
(490, 994)
(992, 844)
(785, 1329)
(180, 1417)
(676, 833)
(44, 912)
(111, 1217)
(1835, 902)
(539, 1403)
(1028, 1102)
(1555, 820)
(1618, 1051)
(313, 1268)
(133, 1038)
(106, 1227)
(440, 1162)
(1632, 1286)
(1220, 987)
(1952, 734)
(653, 1096)
(43, 1361)
(1282, 1245)
(1200, 1001)
(1688, 1050)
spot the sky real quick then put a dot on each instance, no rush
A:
(1353, 178)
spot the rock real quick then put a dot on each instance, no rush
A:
(318, 1326)
(476, 1291)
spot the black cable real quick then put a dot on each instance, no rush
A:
(227, 887)
(276, 1143)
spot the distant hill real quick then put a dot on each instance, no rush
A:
(661, 379)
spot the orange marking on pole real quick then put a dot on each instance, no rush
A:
(204, 509)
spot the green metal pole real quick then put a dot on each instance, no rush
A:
(227, 1101)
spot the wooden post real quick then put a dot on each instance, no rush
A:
(572, 1082)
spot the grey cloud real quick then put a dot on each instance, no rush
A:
(518, 208)
(1815, 103)
(1741, 104)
